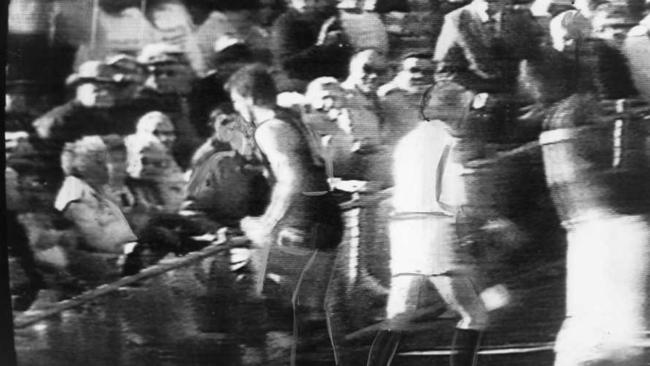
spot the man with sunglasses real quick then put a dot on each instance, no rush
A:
(401, 97)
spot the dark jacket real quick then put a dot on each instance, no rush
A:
(484, 56)
(295, 52)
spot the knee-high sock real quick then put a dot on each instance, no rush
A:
(465, 347)
(383, 348)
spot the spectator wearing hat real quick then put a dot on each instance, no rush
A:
(401, 97)
(167, 88)
(300, 48)
(132, 75)
(88, 113)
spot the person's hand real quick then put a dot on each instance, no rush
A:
(333, 38)
(255, 229)
(325, 30)
(532, 113)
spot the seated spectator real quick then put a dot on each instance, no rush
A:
(90, 112)
(401, 97)
(131, 72)
(155, 178)
(24, 101)
(221, 124)
(116, 188)
(167, 88)
(226, 186)
(300, 49)
(82, 200)
(157, 125)
(25, 280)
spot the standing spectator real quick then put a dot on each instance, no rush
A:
(478, 54)
(401, 97)
(301, 227)
(299, 52)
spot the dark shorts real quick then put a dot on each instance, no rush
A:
(312, 222)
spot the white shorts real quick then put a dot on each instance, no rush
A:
(608, 276)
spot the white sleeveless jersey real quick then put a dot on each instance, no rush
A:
(417, 170)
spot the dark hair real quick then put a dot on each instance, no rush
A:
(256, 82)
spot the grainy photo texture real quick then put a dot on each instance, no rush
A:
(327, 182)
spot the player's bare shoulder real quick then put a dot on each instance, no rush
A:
(276, 134)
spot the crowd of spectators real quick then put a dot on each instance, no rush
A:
(148, 152)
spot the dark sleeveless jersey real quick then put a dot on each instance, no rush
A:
(312, 210)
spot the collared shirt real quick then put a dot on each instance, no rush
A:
(99, 220)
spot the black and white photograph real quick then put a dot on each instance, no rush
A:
(326, 183)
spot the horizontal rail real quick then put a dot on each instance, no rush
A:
(30, 317)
